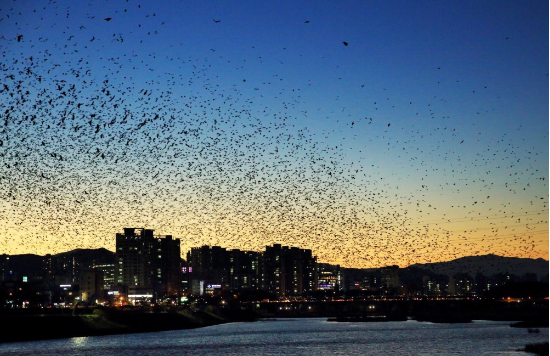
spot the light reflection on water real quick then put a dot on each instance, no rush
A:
(300, 337)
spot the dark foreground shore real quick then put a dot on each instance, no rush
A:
(539, 349)
(18, 327)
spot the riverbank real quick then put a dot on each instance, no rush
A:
(32, 327)
(53, 323)
(539, 349)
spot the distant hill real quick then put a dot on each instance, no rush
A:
(89, 257)
(489, 265)
(32, 268)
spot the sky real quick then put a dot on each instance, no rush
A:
(373, 133)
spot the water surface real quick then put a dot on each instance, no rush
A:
(300, 337)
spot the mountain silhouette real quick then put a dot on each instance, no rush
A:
(489, 265)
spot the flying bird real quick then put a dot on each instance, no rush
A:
(243, 154)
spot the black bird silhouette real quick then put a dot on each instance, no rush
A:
(270, 163)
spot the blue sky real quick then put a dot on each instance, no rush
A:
(244, 123)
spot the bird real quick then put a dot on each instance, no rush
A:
(92, 123)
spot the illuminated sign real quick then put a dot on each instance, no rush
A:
(140, 296)
(24, 278)
(65, 285)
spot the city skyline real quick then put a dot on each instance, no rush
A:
(461, 262)
(146, 267)
(373, 134)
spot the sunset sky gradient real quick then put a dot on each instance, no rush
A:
(372, 132)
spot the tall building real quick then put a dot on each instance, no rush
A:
(461, 284)
(186, 273)
(329, 277)
(283, 271)
(389, 277)
(91, 286)
(433, 285)
(245, 269)
(147, 265)
(289, 271)
(210, 266)
(166, 263)
(107, 273)
(22, 268)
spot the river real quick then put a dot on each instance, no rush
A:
(300, 337)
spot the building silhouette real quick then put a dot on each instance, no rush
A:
(281, 270)
(245, 270)
(329, 277)
(210, 269)
(147, 266)
(461, 284)
(91, 286)
(289, 271)
(389, 276)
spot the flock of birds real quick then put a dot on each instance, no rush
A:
(97, 134)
